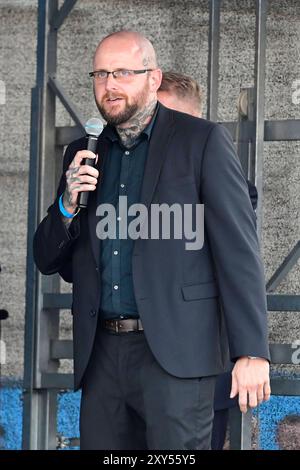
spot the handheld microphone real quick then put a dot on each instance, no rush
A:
(93, 128)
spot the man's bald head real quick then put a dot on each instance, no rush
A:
(138, 44)
(131, 95)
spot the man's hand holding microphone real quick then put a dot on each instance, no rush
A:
(81, 176)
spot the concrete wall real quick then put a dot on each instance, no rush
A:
(179, 32)
(17, 71)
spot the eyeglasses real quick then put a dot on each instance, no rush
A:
(120, 75)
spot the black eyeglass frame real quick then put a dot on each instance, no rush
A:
(134, 72)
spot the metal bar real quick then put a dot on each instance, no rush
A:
(285, 386)
(283, 302)
(29, 426)
(288, 129)
(57, 301)
(42, 403)
(245, 129)
(284, 268)
(47, 420)
(281, 353)
(61, 349)
(240, 427)
(259, 105)
(57, 381)
(31, 272)
(39, 426)
(66, 101)
(60, 16)
(66, 135)
(274, 131)
(213, 60)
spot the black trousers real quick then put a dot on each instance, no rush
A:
(129, 402)
(219, 429)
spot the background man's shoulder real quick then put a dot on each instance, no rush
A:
(193, 124)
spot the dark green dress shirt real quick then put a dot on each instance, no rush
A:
(122, 176)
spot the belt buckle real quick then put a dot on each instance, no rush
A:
(116, 326)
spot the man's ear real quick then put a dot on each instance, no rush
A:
(155, 79)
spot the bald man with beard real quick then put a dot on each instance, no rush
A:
(149, 314)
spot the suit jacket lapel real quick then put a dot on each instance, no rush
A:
(158, 149)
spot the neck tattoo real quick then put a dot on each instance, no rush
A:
(136, 125)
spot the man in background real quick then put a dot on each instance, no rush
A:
(183, 93)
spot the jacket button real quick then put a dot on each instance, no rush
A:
(61, 245)
(92, 313)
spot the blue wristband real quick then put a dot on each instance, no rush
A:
(63, 210)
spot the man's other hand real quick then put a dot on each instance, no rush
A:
(250, 378)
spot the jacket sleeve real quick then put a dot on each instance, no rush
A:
(230, 230)
(53, 242)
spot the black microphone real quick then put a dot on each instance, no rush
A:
(93, 128)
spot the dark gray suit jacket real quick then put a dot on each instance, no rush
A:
(186, 299)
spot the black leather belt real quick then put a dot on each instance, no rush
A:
(123, 326)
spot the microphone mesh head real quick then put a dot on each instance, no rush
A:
(94, 126)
